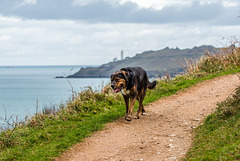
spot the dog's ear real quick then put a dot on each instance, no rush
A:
(129, 76)
(129, 79)
(112, 76)
(126, 75)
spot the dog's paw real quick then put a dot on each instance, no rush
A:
(128, 118)
(144, 113)
(136, 117)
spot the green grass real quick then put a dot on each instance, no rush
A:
(219, 137)
(46, 135)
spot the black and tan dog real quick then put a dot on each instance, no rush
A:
(133, 83)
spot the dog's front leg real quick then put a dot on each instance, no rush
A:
(132, 103)
(126, 99)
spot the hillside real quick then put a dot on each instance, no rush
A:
(156, 63)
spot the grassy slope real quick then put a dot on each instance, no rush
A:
(45, 136)
(219, 137)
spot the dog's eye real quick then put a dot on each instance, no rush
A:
(117, 80)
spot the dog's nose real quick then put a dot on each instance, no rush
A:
(112, 86)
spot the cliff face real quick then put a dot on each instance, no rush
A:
(156, 63)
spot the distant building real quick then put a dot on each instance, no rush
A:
(127, 58)
(122, 56)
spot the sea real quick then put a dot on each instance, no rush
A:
(26, 90)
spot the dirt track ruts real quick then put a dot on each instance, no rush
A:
(165, 133)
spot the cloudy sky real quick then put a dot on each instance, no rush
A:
(93, 32)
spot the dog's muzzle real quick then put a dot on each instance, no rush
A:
(115, 90)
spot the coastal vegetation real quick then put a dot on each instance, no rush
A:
(218, 137)
(47, 134)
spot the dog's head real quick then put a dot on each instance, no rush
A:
(119, 80)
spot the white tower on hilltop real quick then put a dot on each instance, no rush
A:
(122, 57)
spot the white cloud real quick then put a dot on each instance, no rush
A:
(23, 3)
(127, 11)
(160, 4)
(65, 42)
(87, 2)
(83, 2)
(231, 4)
(5, 37)
(30, 1)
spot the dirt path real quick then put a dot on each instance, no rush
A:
(164, 134)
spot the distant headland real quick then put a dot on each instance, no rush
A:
(156, 63)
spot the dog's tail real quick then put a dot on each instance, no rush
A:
(151, 85)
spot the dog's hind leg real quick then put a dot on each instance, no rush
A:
(143, 110)
(126, 99)
(144, 113)
(141, 107)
